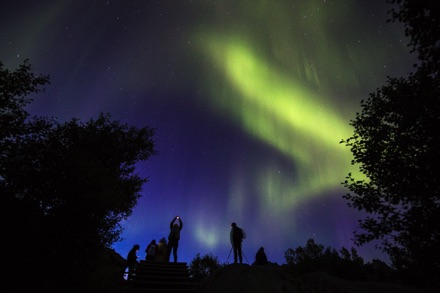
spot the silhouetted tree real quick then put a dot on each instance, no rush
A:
(202, 267)
(307, 257)
(314, 257)
(395, 144)
(15, 88)
(65, 188)
(421, 20)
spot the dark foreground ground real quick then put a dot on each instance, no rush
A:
(243, 278)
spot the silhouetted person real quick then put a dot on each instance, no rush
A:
(236, 237)
(174, 236)
(162, 251)
(260, 257)
(132, 261)
(151, 250)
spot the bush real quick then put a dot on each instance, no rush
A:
(314, 257)
(203, 267)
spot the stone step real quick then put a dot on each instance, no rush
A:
(148, 289)
(161, 287)
(154, 276)
(163, 265)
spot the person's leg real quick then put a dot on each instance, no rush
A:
(235, 253)
(175, 246)
(240, 253)
(130, 272)
(169, 247)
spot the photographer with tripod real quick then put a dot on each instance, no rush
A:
(236, 237)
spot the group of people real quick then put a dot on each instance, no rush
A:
(162, 251)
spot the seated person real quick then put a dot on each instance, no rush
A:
(260, 257)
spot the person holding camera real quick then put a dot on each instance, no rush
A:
(174, 236)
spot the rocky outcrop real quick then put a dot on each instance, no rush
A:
(243, 278)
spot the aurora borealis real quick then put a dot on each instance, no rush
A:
(249, 99)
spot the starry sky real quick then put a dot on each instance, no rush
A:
(249, 100)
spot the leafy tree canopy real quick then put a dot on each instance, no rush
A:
(421, 19)
(202, 267)
(64, 186)
(345, 263)
(15, 88)
(395, 144)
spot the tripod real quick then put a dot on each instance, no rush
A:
(241, 253)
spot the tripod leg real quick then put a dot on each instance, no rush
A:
(245, 256)
(229, 255)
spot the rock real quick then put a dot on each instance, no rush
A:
(243, 278)
(324, 282)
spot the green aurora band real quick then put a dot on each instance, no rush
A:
(287, 116)
(293, 89)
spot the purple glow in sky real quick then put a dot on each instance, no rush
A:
(249, 100)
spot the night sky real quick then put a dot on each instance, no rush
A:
(249, 100)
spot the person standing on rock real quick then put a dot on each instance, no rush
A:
(236, 237)
(174, 236)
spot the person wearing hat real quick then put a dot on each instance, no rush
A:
(236, 237)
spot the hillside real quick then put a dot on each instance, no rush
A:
(243, 278)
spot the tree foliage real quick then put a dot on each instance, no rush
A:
(421, 19)
(65, 187)
(315, 257)
(15, 88)
(395, 144)
(202, 267)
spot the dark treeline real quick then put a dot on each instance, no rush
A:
(345, 264)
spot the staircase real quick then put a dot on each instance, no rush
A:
(162, 277)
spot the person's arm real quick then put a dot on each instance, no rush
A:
(172, 221)
(181, 224)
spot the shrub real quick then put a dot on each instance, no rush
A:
(202, 267)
